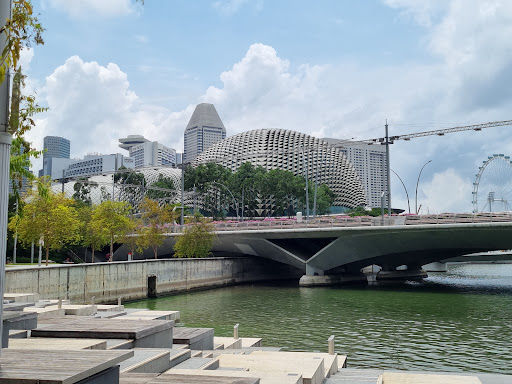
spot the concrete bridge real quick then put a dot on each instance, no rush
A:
(328, 255)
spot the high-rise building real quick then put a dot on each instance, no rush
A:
(148, 153)
(369, 161)
(55, 147)
(204, 129)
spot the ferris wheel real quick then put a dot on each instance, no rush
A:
(492, 189)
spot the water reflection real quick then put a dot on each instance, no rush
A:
(454, 321)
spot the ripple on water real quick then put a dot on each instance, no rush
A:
(455, 321)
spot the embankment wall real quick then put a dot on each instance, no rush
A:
(129, 280)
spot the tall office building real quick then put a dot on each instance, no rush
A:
(55, 147)
(148, 153)
(369, 162)
(204, 129)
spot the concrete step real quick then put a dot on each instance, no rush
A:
(330, 361)
(178, 356)
(18, 334)
(264, 377)
(156, 315)
(136, 378)
(248, 342)
(120, 343)
(45, 312)
(21, 297)
(310, 368)
(419, 378)
(57, 343)
(76, 310)
(146, 360)
(188, 378)
(228, 342)
(198, 363)
(355, 376)
(196, 338)
(110, 308)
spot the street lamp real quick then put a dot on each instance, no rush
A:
(406, 193)
(236, 202)
(417, 182)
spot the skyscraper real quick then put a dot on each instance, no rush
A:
(204, 129)
(55, 147)
(148, 153)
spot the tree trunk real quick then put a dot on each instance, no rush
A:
(92, 254)
(155, 250)
(111, 248)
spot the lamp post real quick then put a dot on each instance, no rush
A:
(417, 183)
(236, 202)
(5, 156)
(406, 193)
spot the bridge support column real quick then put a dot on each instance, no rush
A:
(312, 271)
(413, 272)
(316, 277)
(435, 267)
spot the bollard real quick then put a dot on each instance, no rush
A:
(235, 331)
(59, 304)
(330, 343)
(119, 301)
(92, 300)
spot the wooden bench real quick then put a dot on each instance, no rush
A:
(196, 338)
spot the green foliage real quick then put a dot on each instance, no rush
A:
(196, 240)
(111, 219)
(47, 216)
(154, 219)
(90, 238)
(162, 189)
(361, 211)
(82, 190)
(131, 183)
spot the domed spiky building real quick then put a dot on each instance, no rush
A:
(292, 151)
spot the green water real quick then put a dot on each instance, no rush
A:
(455, 321)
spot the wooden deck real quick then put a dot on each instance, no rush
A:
(96, 328)
(196, 338)
(55, 367)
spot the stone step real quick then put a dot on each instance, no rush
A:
(45, 312)
(157, 315)
(248, 342)
(18, 334)
(418, 378)
(196, 338)
(58, 344)
(228, 342)
(264, 377)
(136, 378)
(110, 308)
(21, 297)
(120, 343)
(355, 376)
(174, 378)
(330, 361)
(310, 368)
(198, 363)
(76, 310)
(146, 360)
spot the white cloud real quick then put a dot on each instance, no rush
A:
(93, 106)
(79, 9)
(448, 191)
(230, 7)
(26, 56)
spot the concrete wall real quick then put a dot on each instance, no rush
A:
(129, 280)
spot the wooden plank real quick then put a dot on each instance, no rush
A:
(57, 344)
(184, 335)
(55, 367)
(136, 378)
(98, 328)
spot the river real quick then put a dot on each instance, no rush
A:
(460, 320)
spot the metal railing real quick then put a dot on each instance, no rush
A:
(358, 221)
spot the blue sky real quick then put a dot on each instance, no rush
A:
(334, 68)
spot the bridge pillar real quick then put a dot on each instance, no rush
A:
(319, 280)
(436, 267)
(312, 271)
(413, 272)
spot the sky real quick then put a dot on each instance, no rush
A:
(329, 68)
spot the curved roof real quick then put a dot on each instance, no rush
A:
(281, 148)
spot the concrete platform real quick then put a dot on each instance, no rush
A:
(199, 363)
(110, 308)
(330, 361)
(146, 360)
(157, 315)
(18, 334)
(47, 366)
(120, 343)
(14, 320)
(248, 342)
(45, 312)
(57, 344)
(145, 333)
(228, 342)
(175, 378)
(21, 297)
(136, 378)
(264, 377)
(416, 378)
(311, 369)
(196, 338)
(76, 310)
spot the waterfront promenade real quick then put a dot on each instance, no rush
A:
(110, 344)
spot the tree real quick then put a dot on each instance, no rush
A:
(133, 239)
(196, 240)
(90, 237)
(49, 217)
(82, 190)
(154, 219)
(132, 184)
(162, 189)
(111, 218)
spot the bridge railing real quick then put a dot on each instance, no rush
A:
(359, 221)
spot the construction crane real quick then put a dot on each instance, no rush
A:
(438, 132)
